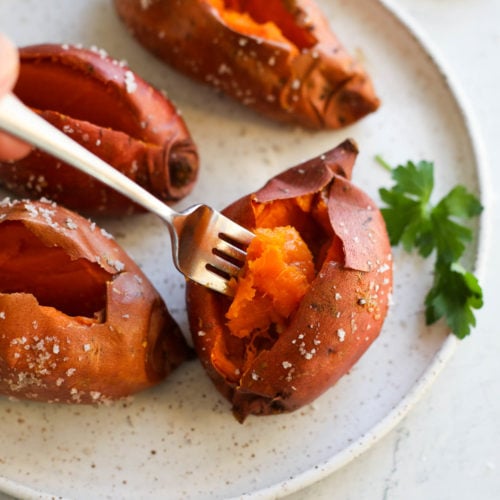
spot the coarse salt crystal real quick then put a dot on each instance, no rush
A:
(130, 83)
(117, 264)
(107, 235)
(383, 268)
(70, 223)
(224, 69)
(31, 209)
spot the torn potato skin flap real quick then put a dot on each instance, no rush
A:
(79, 321)
(110, 110)
(339, 316)
(278, 57)
(304, 179)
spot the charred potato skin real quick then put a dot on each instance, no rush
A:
(339, 317)
(111, 111)
(47, 355)
(318, 86)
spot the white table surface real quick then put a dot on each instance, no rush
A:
(448, 447)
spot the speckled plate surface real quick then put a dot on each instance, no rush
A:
(180, 440)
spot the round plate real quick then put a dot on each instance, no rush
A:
(180, 438)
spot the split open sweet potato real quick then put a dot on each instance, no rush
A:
(279, 57)
(79, 321)
(312, 296)
(110, 110)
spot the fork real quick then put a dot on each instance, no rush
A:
(207, 247)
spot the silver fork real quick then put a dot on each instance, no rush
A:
(207, 247)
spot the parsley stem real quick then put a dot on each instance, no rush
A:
(383, 163)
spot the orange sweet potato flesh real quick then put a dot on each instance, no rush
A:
(275, 348)
(277, 275)
(278, 57)
(278, 272)
(29, 266)
(79, 321)
(111, 111)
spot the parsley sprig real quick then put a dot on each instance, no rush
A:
(415, 223)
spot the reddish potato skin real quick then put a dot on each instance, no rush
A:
(48, 355)
(111, 111)
(317, 86)
(339, 317)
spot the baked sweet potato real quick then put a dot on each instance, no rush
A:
(312, 296)
(279, 57)
(79, 321)
(111, 111)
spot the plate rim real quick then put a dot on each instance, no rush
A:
(451, 343)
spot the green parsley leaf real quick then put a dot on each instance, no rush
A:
(415, 223)
(417, 181)
(407, 215)
(450, 237)
(404, 217)
(454, 294)
(459, 203)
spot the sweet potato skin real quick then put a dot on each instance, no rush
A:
(338, 318)
(308, 79)
(56, 345)
(111, 111)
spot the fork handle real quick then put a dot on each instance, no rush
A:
(18, 120)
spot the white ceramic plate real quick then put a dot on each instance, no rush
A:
(180, 440)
